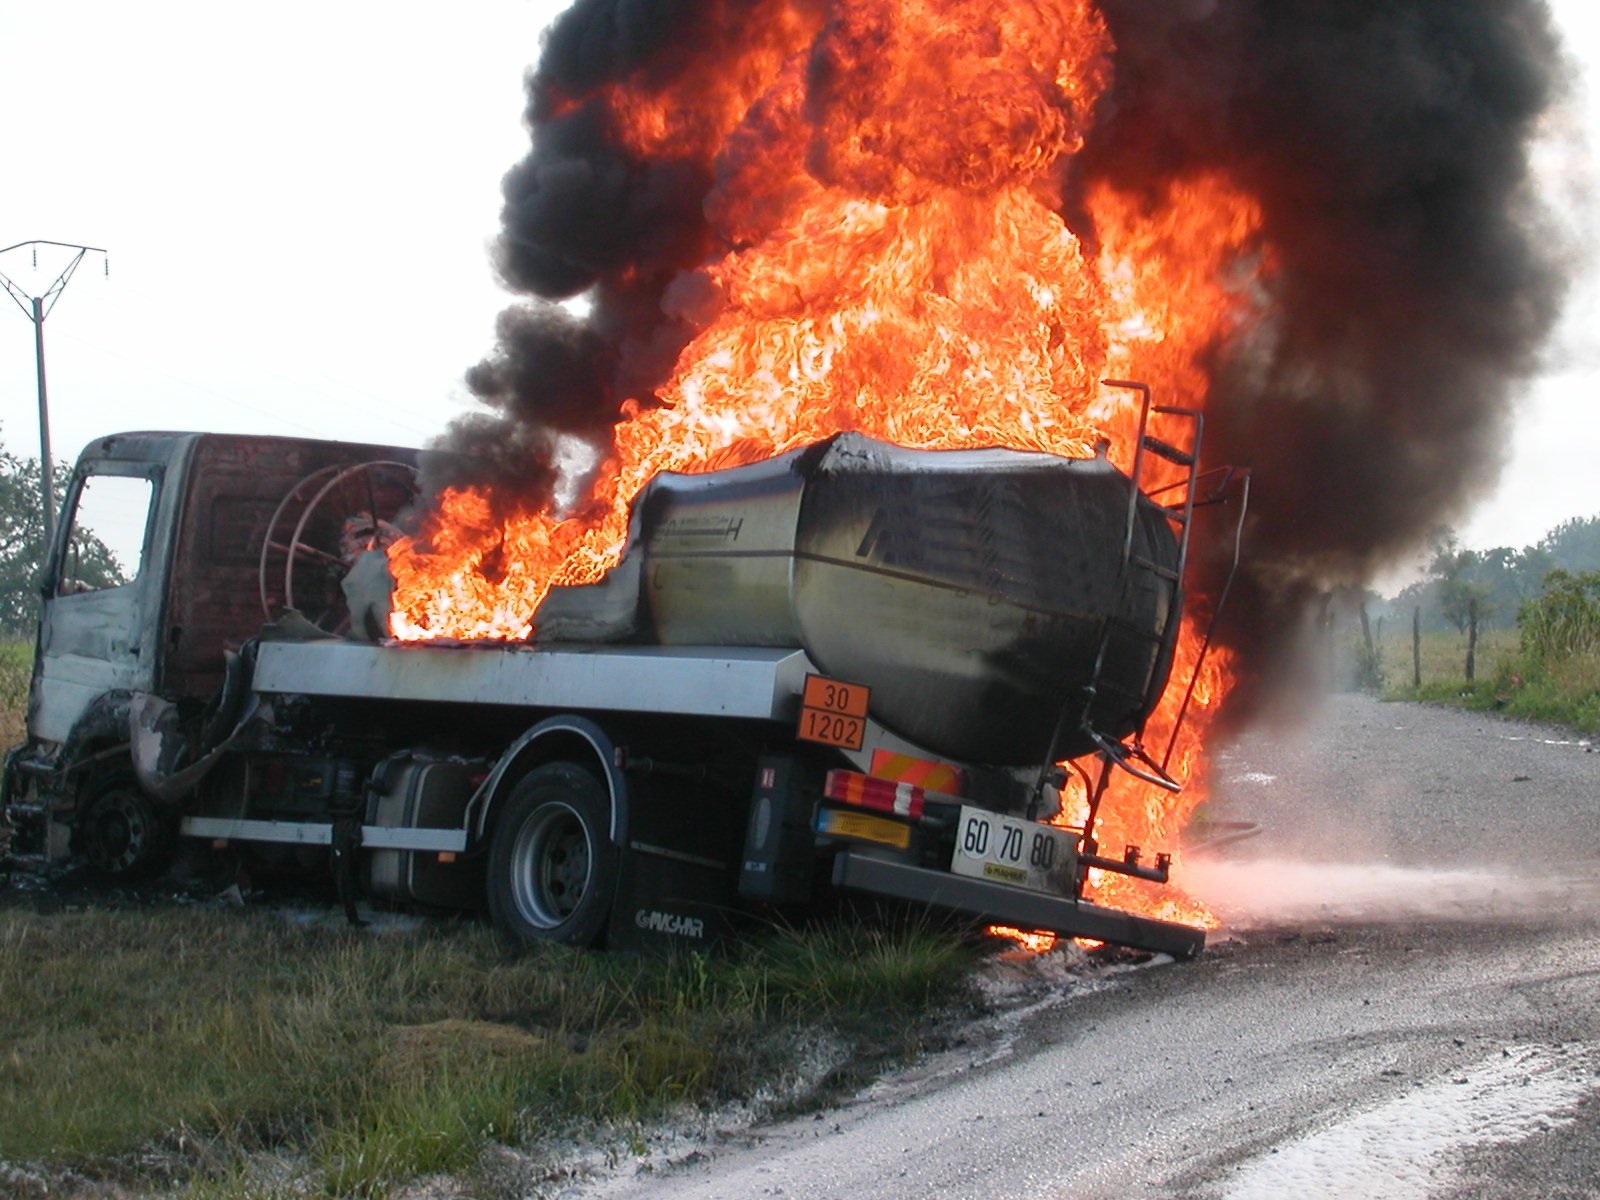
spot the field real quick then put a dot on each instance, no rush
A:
(1444, 655)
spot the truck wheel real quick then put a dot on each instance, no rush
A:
(552, 866)
(120, 832)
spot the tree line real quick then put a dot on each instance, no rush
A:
(1497, 583)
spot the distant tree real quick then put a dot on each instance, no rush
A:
(23, 548)
(1502, 580)
(1461, 575)
(1533, 564)
(1574, 545)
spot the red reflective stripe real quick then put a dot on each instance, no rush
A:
(879, 795)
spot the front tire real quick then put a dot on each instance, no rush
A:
(552, 865)
(120, 832)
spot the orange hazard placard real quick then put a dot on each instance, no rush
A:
(833, 712)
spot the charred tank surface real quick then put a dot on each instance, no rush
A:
(968, 589)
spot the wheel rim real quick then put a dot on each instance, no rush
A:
(117, 832)
(552, 864)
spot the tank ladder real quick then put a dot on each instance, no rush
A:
(1130, 754)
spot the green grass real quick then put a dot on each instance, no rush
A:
(183, 1045)
(1565, 693)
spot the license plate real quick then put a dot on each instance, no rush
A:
(1011, 850)
(838, 822)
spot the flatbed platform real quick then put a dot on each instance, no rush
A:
(757, 682)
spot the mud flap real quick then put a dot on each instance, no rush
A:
(669, 900)
(1001, 904)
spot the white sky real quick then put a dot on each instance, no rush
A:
(298, 201)
(297, 198)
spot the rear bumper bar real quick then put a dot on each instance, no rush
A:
(1001, 904)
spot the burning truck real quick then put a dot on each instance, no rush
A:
(806, 627)
(851, 668)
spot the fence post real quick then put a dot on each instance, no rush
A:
(1368, 675)
(1416, 647)
(1472, 638)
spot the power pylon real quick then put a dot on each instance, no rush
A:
(36, 309)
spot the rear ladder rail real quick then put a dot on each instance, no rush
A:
(1222, 602)
(1133, 758)
(1180, 514)
(1130, 755)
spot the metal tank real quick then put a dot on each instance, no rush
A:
(970, 590)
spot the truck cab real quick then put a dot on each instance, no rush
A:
(216, 534)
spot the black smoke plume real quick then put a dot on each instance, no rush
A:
(583, 215)
(1387, 142)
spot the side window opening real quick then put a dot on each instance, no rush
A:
(107, 543)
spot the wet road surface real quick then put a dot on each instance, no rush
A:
(1404, 1004)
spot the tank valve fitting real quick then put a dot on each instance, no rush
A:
(1128, 864)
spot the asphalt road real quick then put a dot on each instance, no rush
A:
(1404, 1005)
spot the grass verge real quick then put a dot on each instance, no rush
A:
(1547, 669)
(1561, 691)
(171, 1048)
(1567, 694)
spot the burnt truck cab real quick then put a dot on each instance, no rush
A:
(203, 525)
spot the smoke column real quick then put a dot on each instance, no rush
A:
(584, 216)
(1387, 143)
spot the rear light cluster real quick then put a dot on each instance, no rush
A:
(878, 795)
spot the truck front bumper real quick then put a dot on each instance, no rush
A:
(1002, 904)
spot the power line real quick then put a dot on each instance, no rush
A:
(36, 309)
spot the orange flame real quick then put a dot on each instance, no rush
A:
(893, 260)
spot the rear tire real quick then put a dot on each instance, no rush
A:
(552, 865)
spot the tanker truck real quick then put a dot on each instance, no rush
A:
(852, 669)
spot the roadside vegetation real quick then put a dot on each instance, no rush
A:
(199, 1052)
(1544, 668)
(1503, 630)
(1547, 669)
(16, 664)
